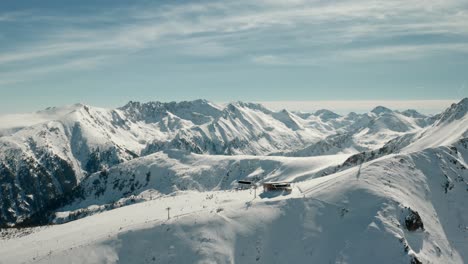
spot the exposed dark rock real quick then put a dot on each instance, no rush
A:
(415, 260)
(28, 186)
(413, 221)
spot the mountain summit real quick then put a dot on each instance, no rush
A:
(456, 111)
(381, 110)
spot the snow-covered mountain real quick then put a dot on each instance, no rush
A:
(356, 133)
(404, 208)
(448, 127)
(67, 144)
(57, 147)
(363, 184)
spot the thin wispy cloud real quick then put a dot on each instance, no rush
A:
(402, 52)
(73, 64)
(192, 19)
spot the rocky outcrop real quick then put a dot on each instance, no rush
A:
(412, 220)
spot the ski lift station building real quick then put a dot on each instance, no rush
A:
(277, 186)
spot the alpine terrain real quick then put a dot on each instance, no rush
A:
(159, 183)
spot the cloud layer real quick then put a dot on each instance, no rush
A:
(266, 32)
(236, 50)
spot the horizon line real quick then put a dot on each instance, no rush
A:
(426, 106)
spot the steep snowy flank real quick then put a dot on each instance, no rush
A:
(449, 127)
(289, 119)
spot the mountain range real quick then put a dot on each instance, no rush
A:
(359, 179)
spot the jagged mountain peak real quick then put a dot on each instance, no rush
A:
(454, 112)
(194, 104)
(326, 115)
(285, 112)
(168, 105)
(389, 122)
(131, 104)
(379, 110)
(253, 106)
(288, 118)
(413, 113)
(197, 111)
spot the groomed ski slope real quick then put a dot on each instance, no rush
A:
(354, 216)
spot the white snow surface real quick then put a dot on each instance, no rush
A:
(355, 216)
(166, 172)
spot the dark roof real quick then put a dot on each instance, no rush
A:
(245, 182)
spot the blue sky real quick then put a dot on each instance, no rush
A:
(106, 53)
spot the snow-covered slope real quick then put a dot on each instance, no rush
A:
(242, 128)
(382, 186)
(167, 172)
(448, 127)
(408, 208)
(356, 133)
